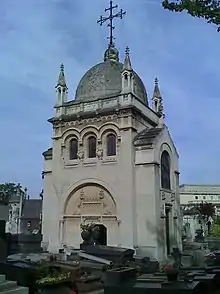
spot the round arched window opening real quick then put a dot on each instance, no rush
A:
(91, 147)
(111, 144)
(73, 149)
(165, 170)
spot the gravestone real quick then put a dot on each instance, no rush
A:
(4, 212)
(24, 243)
(150, 284)
(3, 243)
(117, 255)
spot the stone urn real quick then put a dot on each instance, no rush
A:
(86, 235)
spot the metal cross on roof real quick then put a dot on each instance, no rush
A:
(111, 16)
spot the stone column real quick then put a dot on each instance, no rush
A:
(61, 230)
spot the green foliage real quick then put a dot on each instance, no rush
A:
(217, 220)
(204, 210)
(7, 190)
(207, 9)
(215, 230)
(54, 279)
(47, 274)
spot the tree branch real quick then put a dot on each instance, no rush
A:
(206, 9)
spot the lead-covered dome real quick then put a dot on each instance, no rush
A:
(105, 79)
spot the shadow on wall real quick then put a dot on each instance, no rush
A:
(159, 233)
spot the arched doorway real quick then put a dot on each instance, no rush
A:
(94, 234)
(90, 204)
(102, 240)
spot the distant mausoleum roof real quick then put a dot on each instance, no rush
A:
(32, 209)
(147, 136)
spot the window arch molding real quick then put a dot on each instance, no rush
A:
(85, 132)
(109, 127)
(68, 134)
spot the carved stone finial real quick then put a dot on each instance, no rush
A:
(80, 155)
(127, 61)
(99, 153)
(61, 79)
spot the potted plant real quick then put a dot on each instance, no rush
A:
(171, 272)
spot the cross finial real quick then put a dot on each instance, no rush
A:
(127, 50)
(62, 67)
(111, 16)
(156, 81)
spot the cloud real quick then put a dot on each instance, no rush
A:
(37, 35)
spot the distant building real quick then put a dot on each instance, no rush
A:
(30, 220)
(195, 194)
(24, 215)
(192, 194)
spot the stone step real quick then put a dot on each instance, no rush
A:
(17, 290)
(11, 287)
(7, 285)
(100, 291)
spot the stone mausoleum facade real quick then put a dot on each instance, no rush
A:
(112, 162)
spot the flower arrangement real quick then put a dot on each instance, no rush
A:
(48, 275)
(169, 269)
(53, 279)
(171, 272)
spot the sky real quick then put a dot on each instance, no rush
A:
(37, 35)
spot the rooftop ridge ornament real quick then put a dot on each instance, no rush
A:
(111, 16)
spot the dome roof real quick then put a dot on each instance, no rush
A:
(104, 79)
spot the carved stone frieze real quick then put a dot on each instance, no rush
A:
(91, 200)
(95, 119)
(107, 213)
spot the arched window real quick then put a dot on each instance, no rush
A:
(92, 147)
(165, 170)
(111, 145)
(73, 149)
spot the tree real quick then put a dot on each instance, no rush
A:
(204, 212)
(207, 9)
(215, 230)
(7, 190)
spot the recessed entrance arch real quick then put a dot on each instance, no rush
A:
(90, 204)
(102, 237)
(94, 234)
